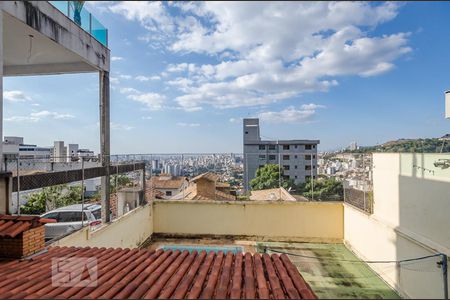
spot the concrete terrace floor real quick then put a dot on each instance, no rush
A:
(331, 278)
(327, 274)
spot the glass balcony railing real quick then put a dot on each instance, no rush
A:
(83, 18)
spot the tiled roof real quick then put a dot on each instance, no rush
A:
(208, 176)
(138, 273)
(276, 194)
(167, 182)
(12, 226)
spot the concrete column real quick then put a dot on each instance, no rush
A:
(5, 192)
(105, 143)
(143, 201)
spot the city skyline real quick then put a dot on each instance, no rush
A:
(163, 72)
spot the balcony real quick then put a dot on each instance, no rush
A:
(84, 19)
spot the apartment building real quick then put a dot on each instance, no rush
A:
(297, 158)
(14, 146)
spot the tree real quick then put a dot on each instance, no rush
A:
(268, 177)
(50, 198)
(120, 180)
(324, 189)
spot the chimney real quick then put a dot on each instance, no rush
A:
(21, 236)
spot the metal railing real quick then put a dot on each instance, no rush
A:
(84, 19)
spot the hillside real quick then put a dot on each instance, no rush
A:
(432, 145)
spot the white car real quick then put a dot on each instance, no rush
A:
(70, 218)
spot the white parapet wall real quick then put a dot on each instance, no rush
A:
(262, 220)
(128, 231)
(410, 219)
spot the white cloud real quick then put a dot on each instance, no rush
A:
(153, 101)
(235, 120)
(116, 58)
(269, 51)
(147, 118)
(291, 114)
(124, 76)
(16, 96)
(117, 126)
(188, 124)
(51, 114)
(41, 115)
(147, 78)
(128, 90)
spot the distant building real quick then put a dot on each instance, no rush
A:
(205, 187)
(298, 158)
(72, 152)
(59, 152)
(169, 185)
(353, 146)
(276, 194)
(14, 146)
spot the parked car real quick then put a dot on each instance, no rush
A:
(70, 218)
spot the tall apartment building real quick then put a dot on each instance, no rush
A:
(72, 152)
(59, 152)
(297, 158)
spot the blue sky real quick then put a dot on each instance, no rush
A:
(184, 74)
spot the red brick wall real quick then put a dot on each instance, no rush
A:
(26, 243)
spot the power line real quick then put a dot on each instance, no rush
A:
(356, 261)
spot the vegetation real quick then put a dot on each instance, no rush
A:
(323, 189)
(432, 145)
(268, 177)
(117, 181)
(50, 198)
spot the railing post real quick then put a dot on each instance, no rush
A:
(82, 191)
(18, 186)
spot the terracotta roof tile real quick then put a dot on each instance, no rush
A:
(12, 226)
(138, 273)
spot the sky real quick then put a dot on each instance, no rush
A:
(183, 75)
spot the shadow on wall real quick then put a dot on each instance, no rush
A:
(423, 222)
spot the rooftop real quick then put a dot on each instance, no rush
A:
(12, 226)
(167, 182)
(125, 273)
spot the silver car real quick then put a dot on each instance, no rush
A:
(70, 218)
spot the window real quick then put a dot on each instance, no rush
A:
(272, 147)
(295, 167)
(285, 147)
(262, 157)
(246, 132)
(295, 176)
(308, 147)
(286, 167)
(307, 157)
(314, 146)
(286, 177)
(314, 167)
(314, 156)
(285, 157)
(260, 166)
(295, 156)
(307, 178)
(295, 146)
(262, 147)
(168, 193)
(97, 213)
(307, 168)
(53, 215)
(272, 157)
(69, 216)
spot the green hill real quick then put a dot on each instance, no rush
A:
(432, 145)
